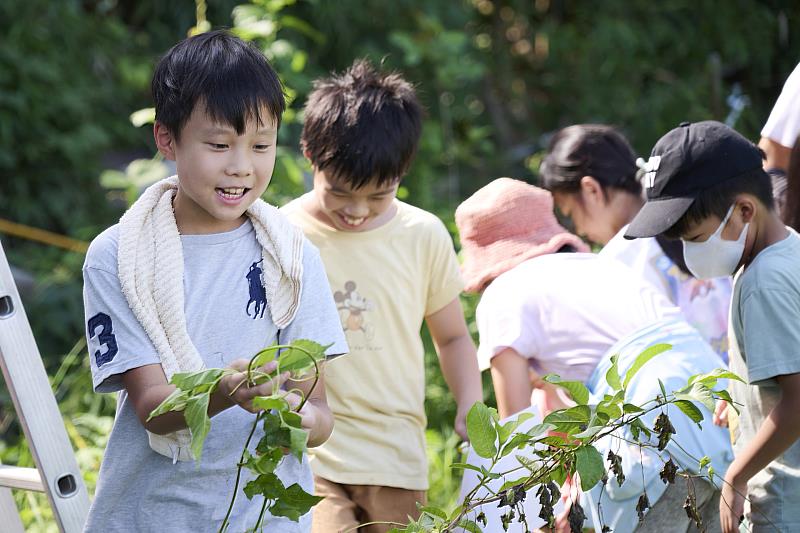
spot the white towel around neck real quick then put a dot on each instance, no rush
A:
(150, 265)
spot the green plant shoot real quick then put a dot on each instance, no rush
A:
(282, 430)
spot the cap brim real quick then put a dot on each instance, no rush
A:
(657, 216)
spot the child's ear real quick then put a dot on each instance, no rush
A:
(748, 207)
(165, 141)
(592, 190)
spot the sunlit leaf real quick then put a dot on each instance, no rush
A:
(710, 379)
(530, 464)
(612, 375)
(465, 466)
(690, 410)
(274, 401)
(203, 379)
(590, 466)
(198, 422)
(699, 393)
(629, 408)
(505, 430)
(298, 437)
(176, 401)
(539, 429)
(434, 511)
(517, 441)
(643, 358)
(470, 526)
(569, 420)
(299, 358)
(576, 389)
(481, 431)
(725, 395)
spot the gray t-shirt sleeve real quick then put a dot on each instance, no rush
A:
(771, 335)
(317, 318)
(117, 343)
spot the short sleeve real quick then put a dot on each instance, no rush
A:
(445, 282)
(771, 333)
(317, 318)
(783, 124)
(117, 343)
(504, 322)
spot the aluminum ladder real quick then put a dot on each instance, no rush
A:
(56, 473)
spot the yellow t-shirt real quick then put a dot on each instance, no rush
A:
(385, 282)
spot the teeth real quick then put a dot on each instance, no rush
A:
(353, 221)
(231, 192)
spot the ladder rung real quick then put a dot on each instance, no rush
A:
(16, 477)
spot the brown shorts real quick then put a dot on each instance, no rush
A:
(347, 506)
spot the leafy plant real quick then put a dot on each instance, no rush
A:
(282, 430)
(563, 446)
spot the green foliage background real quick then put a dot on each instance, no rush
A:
(496, 78)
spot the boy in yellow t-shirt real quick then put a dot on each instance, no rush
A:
(390, 266)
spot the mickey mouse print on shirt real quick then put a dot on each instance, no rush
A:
(352, 307)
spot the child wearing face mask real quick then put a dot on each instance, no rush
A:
(592, 172)
(706, 185)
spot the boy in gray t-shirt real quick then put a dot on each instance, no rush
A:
(705, 184)
(238, 264)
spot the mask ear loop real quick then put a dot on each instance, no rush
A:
(725, 221)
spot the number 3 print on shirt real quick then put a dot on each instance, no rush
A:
(105, 338)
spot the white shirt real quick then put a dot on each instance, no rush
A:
(704, 303)
(783, 124)
(564, 311)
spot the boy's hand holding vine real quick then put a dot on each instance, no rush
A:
(236, 388)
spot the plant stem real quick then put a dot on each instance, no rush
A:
(261, 514)
(313, 385)
(239, 475)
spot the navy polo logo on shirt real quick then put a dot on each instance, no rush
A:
(258, 295)
(101, 335)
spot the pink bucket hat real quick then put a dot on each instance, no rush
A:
(503, 224)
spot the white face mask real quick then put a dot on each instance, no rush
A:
(715, 257)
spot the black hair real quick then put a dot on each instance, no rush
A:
(231, 78)
(791, 206)
(362, 126)
(717, 200)
(595, 150)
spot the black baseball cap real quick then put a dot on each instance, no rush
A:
(686, 161)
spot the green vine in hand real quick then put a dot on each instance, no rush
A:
(282, 429)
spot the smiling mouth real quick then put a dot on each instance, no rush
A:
(352, 221)
(231, 193)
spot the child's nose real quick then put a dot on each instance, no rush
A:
(239, 165)
(357, 209)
